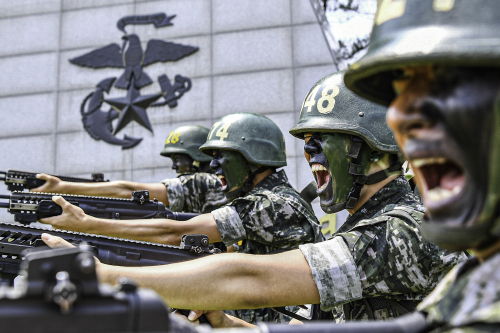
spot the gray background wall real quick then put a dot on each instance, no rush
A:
(255, 56)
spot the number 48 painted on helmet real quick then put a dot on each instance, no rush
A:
(221, 133)
(328, 95)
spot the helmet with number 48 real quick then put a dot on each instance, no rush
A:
(344, 135)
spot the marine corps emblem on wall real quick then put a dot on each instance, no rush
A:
(132, 59)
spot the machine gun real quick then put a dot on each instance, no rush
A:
(19, 180)
(29, 207)
(16, 240)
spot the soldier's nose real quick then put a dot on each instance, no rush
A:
(409, 113)
(311, 147)
(214, 164)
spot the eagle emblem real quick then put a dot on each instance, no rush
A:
(131, 57)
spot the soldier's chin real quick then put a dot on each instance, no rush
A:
(329, 204)
(233, 193)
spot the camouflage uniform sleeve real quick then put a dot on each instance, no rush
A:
(175, 193)
(229, 225)
(334, 272)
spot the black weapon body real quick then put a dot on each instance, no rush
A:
(19, 180)
(14, 239)
(29, 207)
(59, 292)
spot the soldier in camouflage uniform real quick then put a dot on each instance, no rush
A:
(436, 63)
(195, 189)
(377, 266)
(266, 213)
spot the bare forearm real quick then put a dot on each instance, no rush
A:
(115, 189)
(150, 230)
(226, 281)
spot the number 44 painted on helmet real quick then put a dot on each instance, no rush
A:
(221, 133)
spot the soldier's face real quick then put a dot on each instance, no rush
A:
(231, 168)
(326, 154)
(443, 120)
(181, 163)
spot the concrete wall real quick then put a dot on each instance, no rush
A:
(255, 56)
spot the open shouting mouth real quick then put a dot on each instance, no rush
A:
(443, 181)
(223, 181)
(322, 176)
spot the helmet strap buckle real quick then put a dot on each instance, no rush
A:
(355, 192)
(253, 170)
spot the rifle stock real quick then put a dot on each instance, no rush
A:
(29, 207)
(17, 180)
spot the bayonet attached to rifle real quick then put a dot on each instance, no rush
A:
(29, 207)
(19, 180)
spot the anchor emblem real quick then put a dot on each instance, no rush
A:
(131, 57)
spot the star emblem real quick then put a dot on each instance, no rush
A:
(133, 107)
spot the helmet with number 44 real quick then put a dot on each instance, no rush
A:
(244, 145)
(255, 136)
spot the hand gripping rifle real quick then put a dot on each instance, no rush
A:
(29, 207)
(19, 180)
(16, 240)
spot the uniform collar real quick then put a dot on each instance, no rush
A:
(270, 182)
(391, 193)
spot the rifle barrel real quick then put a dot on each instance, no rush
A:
(4, 205)
(4, 196)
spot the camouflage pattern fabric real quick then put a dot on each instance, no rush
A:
(377, 266)
(467, 299)
(195, 193)
(271, 218)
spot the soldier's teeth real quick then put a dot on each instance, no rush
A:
(322, 187)
(419, 162)
(439, 194)
(317, 167)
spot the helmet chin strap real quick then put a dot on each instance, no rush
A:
(356, 169)
(253, 170)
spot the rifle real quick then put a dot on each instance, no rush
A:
(29, 207)
(59, 292)
(14, 239)
(19, 180)
(410, 323)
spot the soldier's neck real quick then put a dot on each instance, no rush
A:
(259, 177)
(484, 254)
(369, 191)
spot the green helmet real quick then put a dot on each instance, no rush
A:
(255, 136)
(330, 107)
(187, 140)
(414, 32)
(446, 33)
